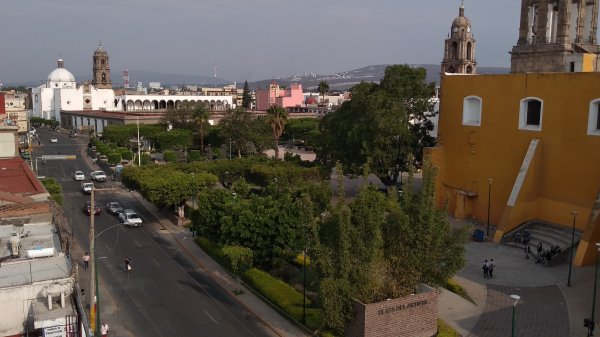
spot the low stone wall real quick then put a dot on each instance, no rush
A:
(411, 316)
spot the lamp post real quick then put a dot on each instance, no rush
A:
(590, 323)
(93, 281)
(574, 213)
(489, 205)
(516, 299)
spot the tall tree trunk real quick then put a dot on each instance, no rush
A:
(202, 140)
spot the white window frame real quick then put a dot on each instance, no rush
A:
(593, 116)
(523, 114)
(472, 117)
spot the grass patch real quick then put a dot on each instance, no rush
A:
(454, 287)
(445, 330)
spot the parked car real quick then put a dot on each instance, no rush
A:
(103, 158)
(87, 187)
(53, 140)
(78, 175)
(114, 207)
(72, 134)
(130, 218)
(98, 176)
(88, 208)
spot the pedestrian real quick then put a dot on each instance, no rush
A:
(527, 251)
(86, 260)
(526, 237)
(539, 251)
(127, 264)
(491, 268)
(104, 329)
(486, 269)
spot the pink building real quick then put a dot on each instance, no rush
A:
(274, 95)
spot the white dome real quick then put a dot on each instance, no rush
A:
(61, 75)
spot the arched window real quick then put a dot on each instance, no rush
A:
(530, 114)
(594, 118)
(472, 111)
(454, 51)
(469, 51)
(103, 77)
(469, 70)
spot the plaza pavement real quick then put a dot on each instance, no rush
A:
(547, 307)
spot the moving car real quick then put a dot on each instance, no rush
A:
(79, 175)
(114, 207)
(130, 218)
(72, 134)
(87, 187)
(53, 140)
(88, 208)
(98, 176)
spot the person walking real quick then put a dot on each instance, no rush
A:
(127, 264)
(539, 251)
(527, 251)
(86, 260)
(491, 268)
(104, 329)
(486, 269)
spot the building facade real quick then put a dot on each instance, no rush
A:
(275, 95)
(530, 150)
(557, 36)
(101, 69)
(459, 48)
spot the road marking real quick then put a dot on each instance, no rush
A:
(211, 318)
(154, 260)
(137, 244)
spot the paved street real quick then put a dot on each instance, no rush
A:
(165, 294)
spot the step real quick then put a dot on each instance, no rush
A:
(561, 240)
(562, 231)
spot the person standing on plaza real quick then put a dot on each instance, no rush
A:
(486, 269)
(539, 251)
(491, 268)
(127, 263)
(104, 329)
(86, 260)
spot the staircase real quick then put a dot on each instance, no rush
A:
(549, 234)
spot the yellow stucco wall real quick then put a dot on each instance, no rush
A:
(589, 62)
(565, 172)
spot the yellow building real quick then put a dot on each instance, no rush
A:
(536, 136)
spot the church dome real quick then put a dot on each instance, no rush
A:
(461, 21)
(61, 74)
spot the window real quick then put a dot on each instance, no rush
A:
(472, 111)
(594, 118)
(530, 114)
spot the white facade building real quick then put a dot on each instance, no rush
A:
(137, 102)
(61, 92)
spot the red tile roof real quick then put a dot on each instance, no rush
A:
(16, 177)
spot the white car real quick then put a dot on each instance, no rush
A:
(130, 218)
(79, 175)
(53, 140)
(98, 176)
(87, 187)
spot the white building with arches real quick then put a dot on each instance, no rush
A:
(137, 102)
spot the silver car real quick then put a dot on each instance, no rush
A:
(114, 207)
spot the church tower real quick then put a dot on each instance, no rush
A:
(459, 50)
(101, 69)
(557, 36)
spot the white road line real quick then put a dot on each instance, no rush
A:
(209, 316)
(137, 244)
(154, 260)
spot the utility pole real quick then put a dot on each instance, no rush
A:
(138, 142)
(93, 320)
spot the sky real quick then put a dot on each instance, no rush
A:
(246, 39)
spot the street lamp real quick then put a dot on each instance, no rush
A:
(574, 213)
(589, 323)
(516, 299)
(489, 205)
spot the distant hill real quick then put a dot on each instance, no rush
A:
(374, 73)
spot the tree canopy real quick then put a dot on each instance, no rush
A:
(387, 122)
(277, 117)
(246, 96)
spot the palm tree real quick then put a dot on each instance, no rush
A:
(276, 117)
(201, 116)
(323, 89)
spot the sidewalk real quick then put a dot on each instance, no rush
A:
(182, 236)
(547, 306)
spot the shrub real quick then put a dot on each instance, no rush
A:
(299, 260)
(170, 156)
(194, 155)
(212, 249)
(454, 287)
(445, 330)
(126, 155)
(145, 159)
(284, 296)
(53, 187)
(114, 158)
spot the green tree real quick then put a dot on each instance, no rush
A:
(386, 122)
(323, 89)
(54, 188)
(276, 118)
(246, 96)
(201, 117)
(240, 259)
(236, 126)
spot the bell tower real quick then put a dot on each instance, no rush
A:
(459, 49)
(101, 69)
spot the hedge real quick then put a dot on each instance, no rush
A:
(170, 156)
(284, 296)
(114, 158)
(194, 155)
(445, 330)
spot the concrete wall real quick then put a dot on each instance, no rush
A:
(563, 176)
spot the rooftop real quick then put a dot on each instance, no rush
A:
(16, 177)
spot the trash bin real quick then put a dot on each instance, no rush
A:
(478, 235)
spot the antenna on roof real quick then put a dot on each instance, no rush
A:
(215, 74)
